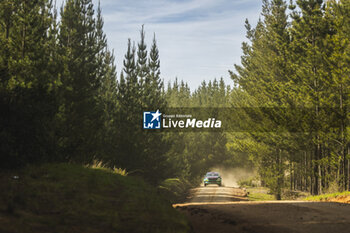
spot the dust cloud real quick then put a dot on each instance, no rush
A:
(231, 176)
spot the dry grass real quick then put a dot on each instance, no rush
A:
(97, 164)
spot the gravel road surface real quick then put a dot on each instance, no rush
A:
(227, 210)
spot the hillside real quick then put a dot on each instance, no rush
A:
(71, 198)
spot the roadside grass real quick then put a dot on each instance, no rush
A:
(174, 189)
(337, 197)
(71, 198)
(288, 194)
(97, 164)
(259, 194)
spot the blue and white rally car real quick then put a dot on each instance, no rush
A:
(212, 178)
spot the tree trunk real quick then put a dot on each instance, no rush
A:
(291, 175)
(348, 172)
(319, 171)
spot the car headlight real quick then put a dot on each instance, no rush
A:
(219, 179)
(205, 179)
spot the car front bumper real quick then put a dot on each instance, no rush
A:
(212, 182)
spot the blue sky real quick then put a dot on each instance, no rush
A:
(198, 39)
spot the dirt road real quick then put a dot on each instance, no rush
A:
(226, 210)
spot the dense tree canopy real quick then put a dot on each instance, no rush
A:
(294, 61)
(62, 99)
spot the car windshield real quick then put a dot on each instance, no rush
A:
(212, 174)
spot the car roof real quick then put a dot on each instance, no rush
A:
(213, 173)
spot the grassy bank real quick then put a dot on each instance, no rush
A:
(343, 197)
(71, 198)
(264, 194)
(259, 194)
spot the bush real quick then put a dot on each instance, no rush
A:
(249, 182)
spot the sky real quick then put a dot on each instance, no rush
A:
(197, 39)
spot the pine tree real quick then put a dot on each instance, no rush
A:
(80, 68)
(27, 88)
(107, 93)
(311, 72)
(339, 13)
(130, 71)
(129, 114)
(101, 43)
(265, 77)
(142, 66)
(157, 100)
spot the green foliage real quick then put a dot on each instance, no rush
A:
(291, 62)
(79, 48)
(140, 89)
(259, 194)
(174, 189)
(192, 154)
(61, 100)
(28, 82)
(327, 197)
(248, 182)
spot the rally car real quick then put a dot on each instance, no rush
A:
(212, 178)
